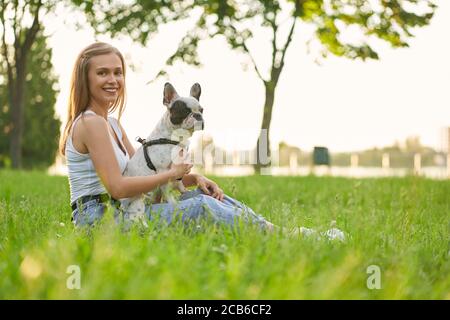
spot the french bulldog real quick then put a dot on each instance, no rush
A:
(164, 145)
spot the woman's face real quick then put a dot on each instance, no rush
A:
(106, 79)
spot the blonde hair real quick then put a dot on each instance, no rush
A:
(79, 87)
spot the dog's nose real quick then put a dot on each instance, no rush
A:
(198, 117)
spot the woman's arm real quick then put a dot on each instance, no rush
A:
(95, 136)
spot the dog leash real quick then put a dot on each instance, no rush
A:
(146, 144)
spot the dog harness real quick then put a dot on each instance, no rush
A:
(146, 144)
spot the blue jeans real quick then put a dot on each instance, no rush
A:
(193, 206)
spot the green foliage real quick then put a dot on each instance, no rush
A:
(390, 21)
(41, 127)
(138, 19)
(400, 225)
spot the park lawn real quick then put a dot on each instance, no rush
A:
(400, 225)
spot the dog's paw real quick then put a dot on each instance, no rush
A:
(138, 217)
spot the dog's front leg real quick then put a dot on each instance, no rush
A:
(168, 194)
(136, 211)
(178, 185)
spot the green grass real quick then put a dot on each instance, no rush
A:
(398, 224)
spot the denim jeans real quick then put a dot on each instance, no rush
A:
(193, 206)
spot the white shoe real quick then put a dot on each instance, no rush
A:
(304, 232)
(335, 234)
(331, 234)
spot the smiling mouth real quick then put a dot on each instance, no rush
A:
(111, 90)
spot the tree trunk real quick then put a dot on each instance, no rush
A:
(17, 129)
(263, 145)
(17, 90)
(17, 114)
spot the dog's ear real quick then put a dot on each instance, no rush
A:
(196, 91)
(169, 95)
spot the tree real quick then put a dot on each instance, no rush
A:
(13, 17)
(40, 139)
(389, 20)
(20, 22)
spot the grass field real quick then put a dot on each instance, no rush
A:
(400, 225)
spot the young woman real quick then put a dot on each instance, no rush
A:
(97, 149)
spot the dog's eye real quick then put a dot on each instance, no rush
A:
(201, 110)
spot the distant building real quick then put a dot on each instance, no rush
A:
(288, 154)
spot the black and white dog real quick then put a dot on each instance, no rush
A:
(164, 145)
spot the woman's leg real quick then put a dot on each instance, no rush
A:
(226, 199)
(197, 206)
(91, 212)
(231, 202)
(88, 213)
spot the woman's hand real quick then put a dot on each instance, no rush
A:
(209, 187)
(180, 169)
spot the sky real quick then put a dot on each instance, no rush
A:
(345, 105)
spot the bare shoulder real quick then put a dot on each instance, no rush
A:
(92, 125)
(87, 128)
(89, 118)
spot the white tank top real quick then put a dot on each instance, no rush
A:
(83, 178)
